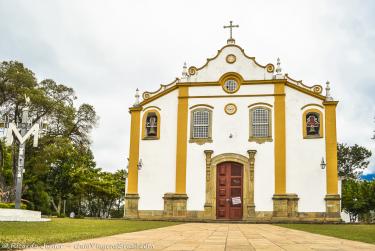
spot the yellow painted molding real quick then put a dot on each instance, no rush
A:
(231, 76)
(228, 106)
(201, 105)
(181, 149)
(134, 151)
(151, 107)
(260, 140)
(201, 141)
(321, 130)
(260, 104)
(146, 101)
(144, 118)
(331, 147)
(310, 93)
(308, 105)
(234, 96)
(280, 144)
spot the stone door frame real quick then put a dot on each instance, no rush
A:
(248, 205)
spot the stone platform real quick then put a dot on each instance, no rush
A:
(7, 214)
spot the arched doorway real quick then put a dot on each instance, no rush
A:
(247, 198)
(229, 191)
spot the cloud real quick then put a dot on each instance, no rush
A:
(106, 49)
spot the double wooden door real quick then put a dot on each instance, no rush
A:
(229, 190)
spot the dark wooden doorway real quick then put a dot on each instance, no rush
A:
(229, 191)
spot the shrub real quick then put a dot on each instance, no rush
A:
(11, 205)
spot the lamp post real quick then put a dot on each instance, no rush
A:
(21, 131)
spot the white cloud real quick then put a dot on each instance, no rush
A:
(106, 49)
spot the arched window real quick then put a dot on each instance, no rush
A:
(201, 126)
(151, 125)
(260, 124)
(312, 124)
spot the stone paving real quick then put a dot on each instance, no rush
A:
(216, 236)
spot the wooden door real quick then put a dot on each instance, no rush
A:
(229, 191)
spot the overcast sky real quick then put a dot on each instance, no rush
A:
(106, 49)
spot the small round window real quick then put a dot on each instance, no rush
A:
(230, 85)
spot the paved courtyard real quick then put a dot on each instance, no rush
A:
(212, 236)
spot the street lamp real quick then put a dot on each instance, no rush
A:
(21, 131)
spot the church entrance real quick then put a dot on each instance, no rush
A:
(229, 192)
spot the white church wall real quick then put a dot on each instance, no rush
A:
(254, 89)
(246, 67)
(157, 176)
(304, 175)
(222, 126)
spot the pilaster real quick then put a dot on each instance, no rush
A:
(181, 151)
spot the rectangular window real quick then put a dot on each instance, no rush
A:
(260, 126)
(200, 124)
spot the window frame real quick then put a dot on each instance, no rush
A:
(200, 141)
(144, 130)
(261, 139)
(321, 127)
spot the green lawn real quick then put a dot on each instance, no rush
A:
(64, 230)
(364, 233)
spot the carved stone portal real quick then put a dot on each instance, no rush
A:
(248, 182)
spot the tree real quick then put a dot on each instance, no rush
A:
(352, 160)
(62, 168)
(358, 199)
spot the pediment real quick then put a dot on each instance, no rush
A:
(230, 58)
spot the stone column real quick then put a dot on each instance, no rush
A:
(280, 201)
(175, 204)
(332, 197)
(132, 197)
(208, 203)
(251, 205)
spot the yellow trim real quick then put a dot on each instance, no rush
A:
(311, 93)
(134, 151)
(316, 88)
(235, 108)
(147, 94)
(231, 58)
(195, 69)
(228, 76)
(149, 107)
(260, 140)
(244, 82)
(321, 132)
(280, 145)
(152, 98)
(201, 105)
(144, 136)
(181, 149)
(331, 146)
(303, 107)
(234, 96)
(200, 141)
(261, 104)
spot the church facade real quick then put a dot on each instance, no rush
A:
(234, 140)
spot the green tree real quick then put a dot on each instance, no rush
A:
(352, 160)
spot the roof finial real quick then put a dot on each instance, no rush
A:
(278, 68)
(136, 103)
(231, 26)
(328, 92)
(184, 71)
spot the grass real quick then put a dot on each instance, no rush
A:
(354, 232)
(66, 230)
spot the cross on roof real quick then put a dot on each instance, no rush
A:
(231, 26)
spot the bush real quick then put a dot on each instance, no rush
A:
(11, 205)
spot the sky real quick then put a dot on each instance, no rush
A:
(106, 49)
